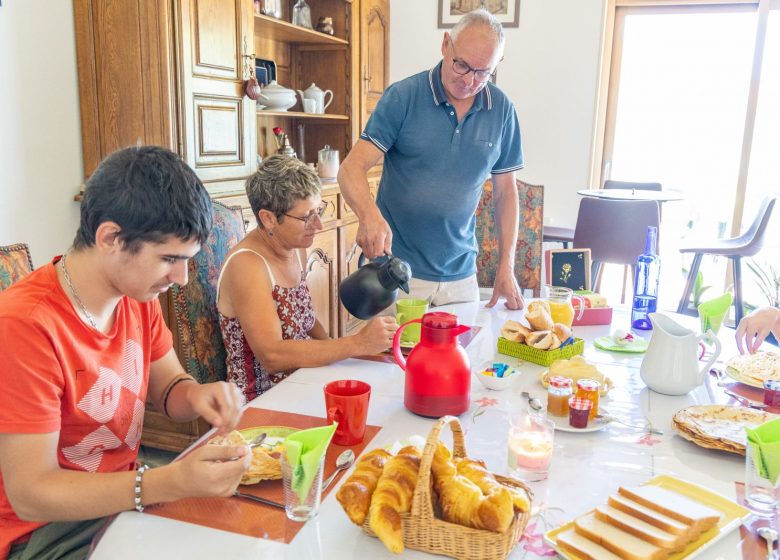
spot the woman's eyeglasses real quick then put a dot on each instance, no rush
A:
(461, 68)
(310, 218)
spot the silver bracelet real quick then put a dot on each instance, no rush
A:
(139, 478)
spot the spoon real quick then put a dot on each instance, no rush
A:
(770, 536)
(648, 428)
(257, 440)
(533, 402)
(744, 401)
(343, 461)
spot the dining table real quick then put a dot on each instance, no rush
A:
(664, 195)
(585, 468)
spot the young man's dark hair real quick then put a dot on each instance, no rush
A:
(150, 193)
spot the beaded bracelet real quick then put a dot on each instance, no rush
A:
(139, 477)
(170, 388)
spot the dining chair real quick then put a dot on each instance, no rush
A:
(734, 248)
(615, 232)
(15, 264)
(195, 304)
(528, 252)
(610, 184)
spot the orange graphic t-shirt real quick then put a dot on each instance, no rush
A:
(59, 374)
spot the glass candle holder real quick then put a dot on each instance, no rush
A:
(530, 450)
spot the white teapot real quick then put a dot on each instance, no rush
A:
(671, 365)
(315, 93)
(278, 98)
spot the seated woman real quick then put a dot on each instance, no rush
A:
(755, 327)
(265, 308)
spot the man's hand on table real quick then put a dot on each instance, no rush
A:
(755, 327)
(506, 286)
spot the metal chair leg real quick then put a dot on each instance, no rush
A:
(683, 306)
(738, 310)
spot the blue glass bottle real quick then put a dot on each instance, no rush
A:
(648, 268)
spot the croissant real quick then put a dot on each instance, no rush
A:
(514, 331)
(476, 472)
(393, 496)
(355, 494)
(463, 502)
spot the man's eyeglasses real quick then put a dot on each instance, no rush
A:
(309, 219)
(461, 68)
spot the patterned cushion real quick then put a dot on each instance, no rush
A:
(15, 264)
(528, 254)
(195, 304)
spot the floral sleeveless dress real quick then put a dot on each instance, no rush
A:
(296, 314)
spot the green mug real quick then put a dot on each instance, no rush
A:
(406, 310)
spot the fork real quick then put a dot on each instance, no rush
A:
(647, 427)
(744, 401)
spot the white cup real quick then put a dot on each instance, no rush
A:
(309, 106)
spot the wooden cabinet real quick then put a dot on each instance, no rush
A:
(374, 54)
(322, 277)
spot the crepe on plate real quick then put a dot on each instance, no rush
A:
(717, 426)
(757, 367)
(265, 464)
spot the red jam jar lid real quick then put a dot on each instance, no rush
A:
(588, 385)
(577, 403)
(560, 382)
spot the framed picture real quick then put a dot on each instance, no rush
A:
(569, 268)
(507, 11)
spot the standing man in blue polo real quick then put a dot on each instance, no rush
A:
(442, 132)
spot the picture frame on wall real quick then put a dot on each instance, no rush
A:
(568, 268)
(507, 11)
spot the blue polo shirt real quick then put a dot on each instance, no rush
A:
(435, 168)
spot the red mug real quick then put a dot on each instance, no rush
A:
(346, 402)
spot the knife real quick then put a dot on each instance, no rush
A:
(258, 499)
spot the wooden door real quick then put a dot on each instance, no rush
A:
(126, 74)
(349, 254)
(218, 119)
(322, 279)
(374, 54)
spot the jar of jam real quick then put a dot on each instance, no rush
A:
(589, 389)
(579, 412)
(558, 393)
(772, 392)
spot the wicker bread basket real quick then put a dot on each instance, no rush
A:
(423, 531)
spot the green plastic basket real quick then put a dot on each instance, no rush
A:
(541, 357)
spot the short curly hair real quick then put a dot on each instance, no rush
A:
(279, 183)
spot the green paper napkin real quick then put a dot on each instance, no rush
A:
(764, 445)
(712, 312)
(304, 449)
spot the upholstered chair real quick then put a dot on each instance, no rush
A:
(15, 264)
(528, 253)
(195, 305)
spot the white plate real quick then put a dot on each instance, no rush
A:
(562, 424)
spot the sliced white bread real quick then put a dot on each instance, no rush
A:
(617, 541)
(641, 529)
(674, 505)
(572, 542)
(652, 517)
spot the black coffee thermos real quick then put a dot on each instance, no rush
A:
(374, 286)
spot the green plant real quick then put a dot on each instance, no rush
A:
(767, 280)
(698, 287)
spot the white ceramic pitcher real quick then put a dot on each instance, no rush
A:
(319, 96)
(671, 364)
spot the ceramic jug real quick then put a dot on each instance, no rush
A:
(374, 286)
(315, 93)
(438, 375)
(671, 364)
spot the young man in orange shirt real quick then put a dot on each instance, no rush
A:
(83, 346)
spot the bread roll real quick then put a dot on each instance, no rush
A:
(393, 496)
(355, 494)
(555, 342)
(538, 316)
(561, 331)
(463, 502)
(541, 340)
(514, 331)
(476, 472)
(616, 540)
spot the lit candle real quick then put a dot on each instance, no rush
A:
(530, 450)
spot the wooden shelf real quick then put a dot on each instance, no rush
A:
(300, 115)
(277, 30)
